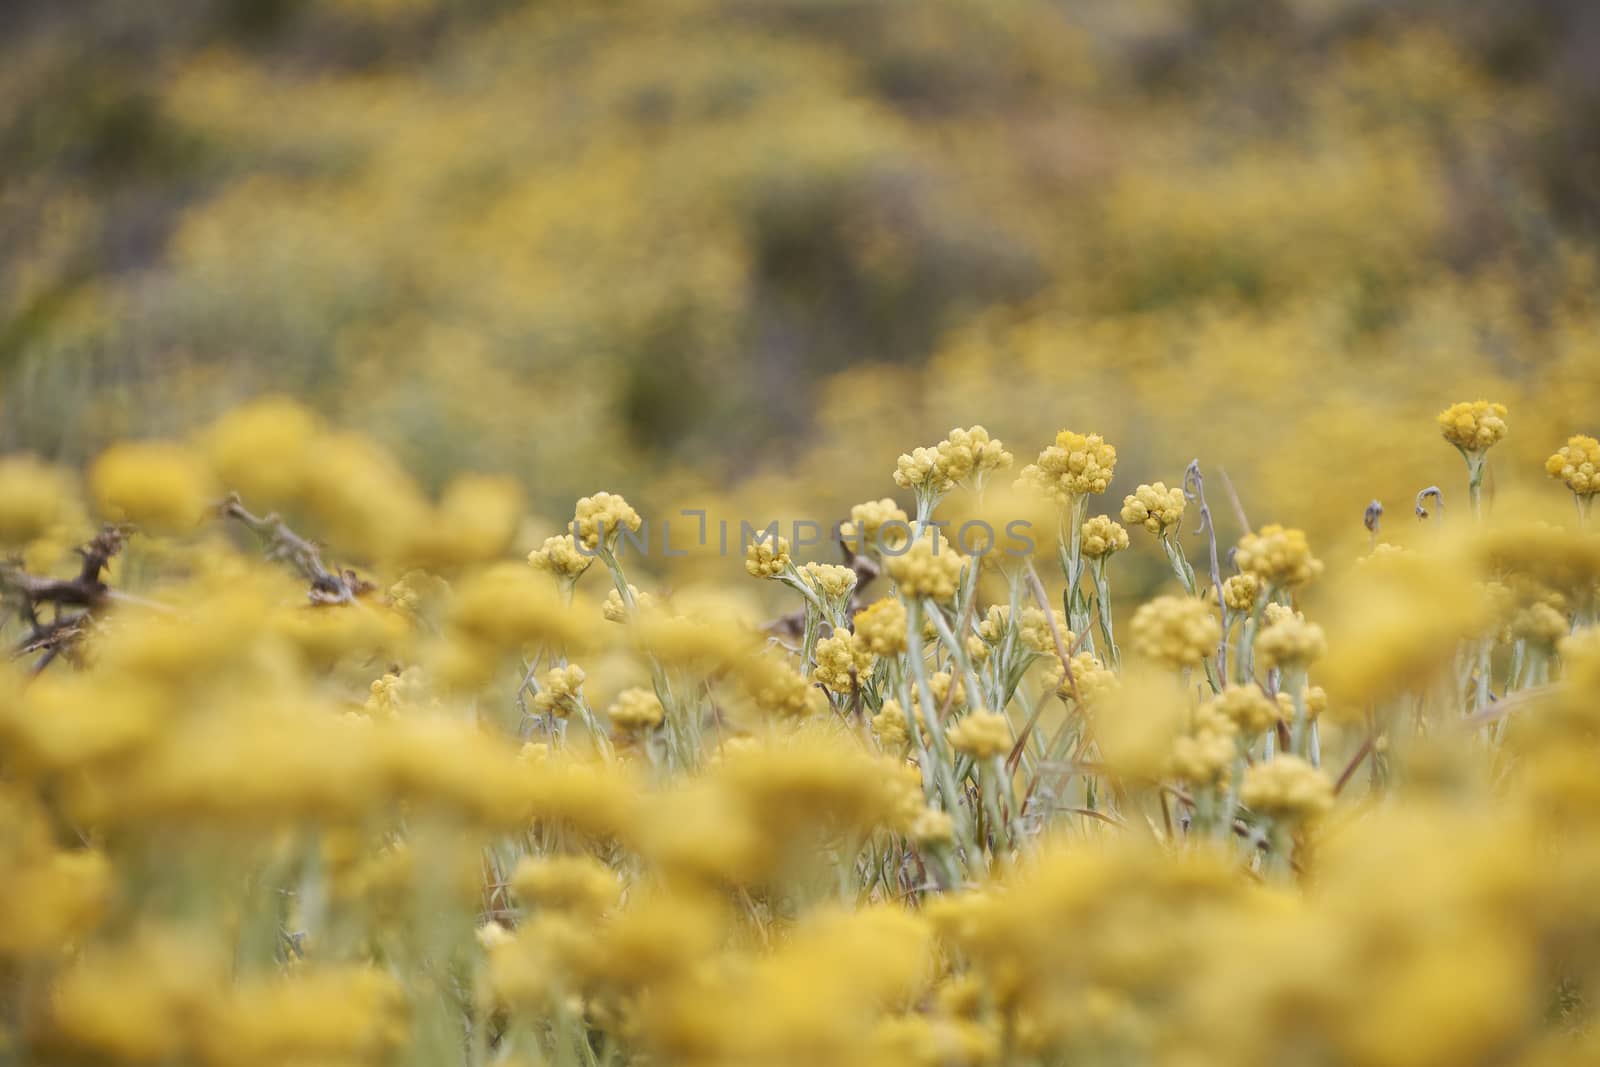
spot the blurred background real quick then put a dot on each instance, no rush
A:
(742, 253)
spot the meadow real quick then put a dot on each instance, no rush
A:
(745, 533)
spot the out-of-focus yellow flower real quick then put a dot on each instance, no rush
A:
(636, 710)
(264, 451)
(1473, 426)
(1205, 755)
(1286, 787)
(1155, 507)
(580, 885)
(1247, 707)
(891, 727)
(1178, 631)
(558, 690)
(34, 497)
(474, 523)
(559, 556)
(981, 735)
(927, 568)
(1291, 642)
(1277, 557)
(158, 485)
(880, 627)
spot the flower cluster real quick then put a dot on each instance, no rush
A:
(1075, 465)
(1577, 464)
(1155, 507)
(1179, 631)
(1473, 426)
(1277, 557)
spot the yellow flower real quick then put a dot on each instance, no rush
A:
(604, 513)
(158, 485)
(1179, 631)
(1091, 679)
(880, 627)
(767, 557)
(1206, 754)
(579, 884)
(1291, 642)
(34, 498)
(891, 727)
(614, 609)
(559, 556)
(558, 690)
(1102, 537)
(1239, 592)
(970, 454)
(831, 580)
(981, 735)
(865, 531)
(1247, 707)
(636, 710)
(1577, 465)
(929, 568)
(1473, 426)
(837, 657)
(1286, 787)
(1155, 507)
(1279, 558)
(1077, 464)
(923, 469)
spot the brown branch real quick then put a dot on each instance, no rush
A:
(282, 543)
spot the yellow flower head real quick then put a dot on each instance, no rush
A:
(891, 727)
(1577, 464)
(1179, 631)
(928, 568)
(1279, 558)
(865, 531)
(831, 580)
(1091, 679)
(1102, 537)
(1247, 707)
(970, 454)
(837, 656)
(1205, 755)
(880, 627)
(558, 690)
(155, 484)
(1155, 507)
(1034, 632)
(766, 557)
(636, 710)
(981, 735)
(1240, 591)
(1473, 426)
(1077, 464)
(614, 610)
(922, 469)
(1286, 787)
(559, 556)
(604, 513)
(1291, 642)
